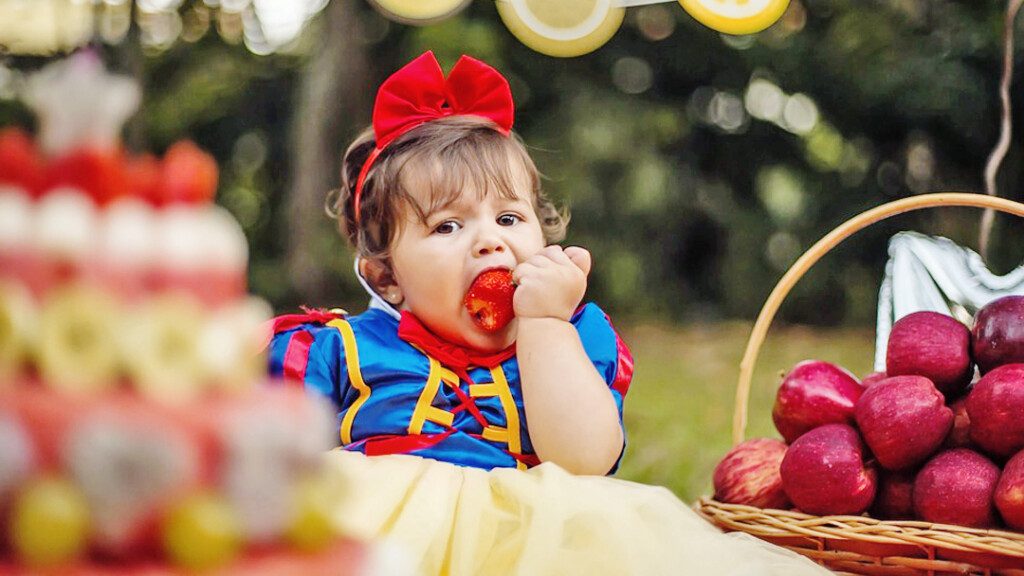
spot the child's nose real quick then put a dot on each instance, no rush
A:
(488, 242)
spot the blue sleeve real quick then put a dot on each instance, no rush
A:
(609, 354)
(312, 354)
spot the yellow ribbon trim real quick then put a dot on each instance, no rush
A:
(508, 405)
(443, 417)
(355, 377)
(481, 390)
(426, 399)
(495, 434)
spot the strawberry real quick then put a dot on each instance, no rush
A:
(189, 175)
(489, 299)
(21, 164)
(143, 175)
(99, 172)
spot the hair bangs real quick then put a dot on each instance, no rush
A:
(486, 163)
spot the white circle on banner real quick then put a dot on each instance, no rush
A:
(736, 8)
(420, 11)
(586, 26)
(736, 17)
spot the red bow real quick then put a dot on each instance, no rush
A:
(456, 358)
(419, 93)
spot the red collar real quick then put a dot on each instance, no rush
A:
(456, 358)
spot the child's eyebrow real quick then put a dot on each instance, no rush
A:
(441, 207)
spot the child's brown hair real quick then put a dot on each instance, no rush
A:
(452, 152)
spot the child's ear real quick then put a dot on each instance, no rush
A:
(380, 277)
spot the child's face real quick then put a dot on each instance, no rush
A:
(435, 261)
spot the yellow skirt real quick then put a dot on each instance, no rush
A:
(466, 521)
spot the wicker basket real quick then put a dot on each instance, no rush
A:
(859, 544)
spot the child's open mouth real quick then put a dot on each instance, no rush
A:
(489, 299)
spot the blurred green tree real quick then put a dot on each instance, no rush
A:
(697, 166)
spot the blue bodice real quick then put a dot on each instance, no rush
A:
(392, 397)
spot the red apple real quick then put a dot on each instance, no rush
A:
(749, 474)
(1009, 496)
(812, 394)
(996, 409)
(956, 487)
(895, 499)
(904, 419)
(999, 333)
(823, 472)
(932, 345)
(960, 434)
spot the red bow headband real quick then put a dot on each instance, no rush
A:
(419, 93)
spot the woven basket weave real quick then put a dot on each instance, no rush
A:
(859, 544)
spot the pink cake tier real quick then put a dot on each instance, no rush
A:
(137, 432)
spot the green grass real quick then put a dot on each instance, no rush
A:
(679, 407)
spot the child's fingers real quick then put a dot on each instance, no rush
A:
(580, 257)
(554, 253)
(523, 269)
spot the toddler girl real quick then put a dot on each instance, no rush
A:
(476, 359)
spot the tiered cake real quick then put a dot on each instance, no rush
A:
(136, 432)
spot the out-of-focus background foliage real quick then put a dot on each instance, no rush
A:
(697, 168)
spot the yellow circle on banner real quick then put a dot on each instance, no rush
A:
(563, 29)
(736, 16)
(419, 11)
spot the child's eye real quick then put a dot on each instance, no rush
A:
(509, 219)
(447, 227)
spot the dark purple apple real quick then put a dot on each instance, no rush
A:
(932, 345)
(824, 473)
(956, 487)
(996, 409)
(812, 394)
(904, 419)
(1009, 495)
(895, 499)
(960, 434)
(999, 333)
(749, 474)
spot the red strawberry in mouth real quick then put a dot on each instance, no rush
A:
(489, 299)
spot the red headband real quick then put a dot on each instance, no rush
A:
(419, 93)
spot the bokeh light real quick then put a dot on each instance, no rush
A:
(655, 22)
(632, 75)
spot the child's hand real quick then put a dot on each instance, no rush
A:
(551, 283)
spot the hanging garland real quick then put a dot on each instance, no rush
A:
(562, 28)
(569, 28)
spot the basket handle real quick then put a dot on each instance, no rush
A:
(809, 258)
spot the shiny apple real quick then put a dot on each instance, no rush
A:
(996, 409)
(749, 474)
(824, 472)
(904, 419)
(957, 487)
(812, 394)
(998, 334)
(932, 345)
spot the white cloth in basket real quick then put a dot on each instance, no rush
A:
(936, 274)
